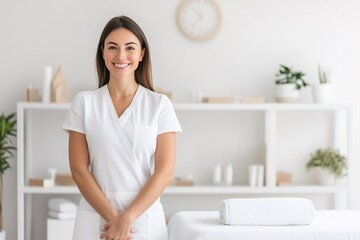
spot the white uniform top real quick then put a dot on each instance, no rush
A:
(121, 149)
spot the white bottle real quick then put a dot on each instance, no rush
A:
(217, 174)
(229, 174)
(260, 175)
(252, 175)
(52, 173)
(47, 84)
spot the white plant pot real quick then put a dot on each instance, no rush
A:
(286, 93)
(324, 177)
(3, 235)
(322, 93)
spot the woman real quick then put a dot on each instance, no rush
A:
(121, 142)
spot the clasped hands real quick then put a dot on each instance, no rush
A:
(118, 228)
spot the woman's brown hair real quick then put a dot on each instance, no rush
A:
(143, 74)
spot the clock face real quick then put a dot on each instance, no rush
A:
(199, 20)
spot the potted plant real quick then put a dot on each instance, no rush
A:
(288, 84)
(7, 130)
(322, 92)
(329, 161)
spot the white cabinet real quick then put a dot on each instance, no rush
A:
(261, 131)
(59, 229)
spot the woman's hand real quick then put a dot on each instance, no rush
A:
(118, 228)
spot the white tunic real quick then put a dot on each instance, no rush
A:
(122, 154)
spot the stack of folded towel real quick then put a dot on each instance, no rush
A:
(62, 208)
(266, 211)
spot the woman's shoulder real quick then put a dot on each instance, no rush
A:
(155, 96)
(88, 94)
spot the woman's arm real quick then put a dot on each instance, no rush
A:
(79, 165)
(165, 156)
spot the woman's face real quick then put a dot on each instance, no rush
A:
(122, 53)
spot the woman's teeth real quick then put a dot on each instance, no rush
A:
(121, 65)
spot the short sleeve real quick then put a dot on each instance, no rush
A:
(74, 120)
(168, 121)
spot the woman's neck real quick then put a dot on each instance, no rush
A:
(119, 89)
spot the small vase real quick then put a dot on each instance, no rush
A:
(322, 93)
(324, 177)
(286, 93)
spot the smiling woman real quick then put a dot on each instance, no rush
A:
(108, 43)
(122, 53)
(121, 131)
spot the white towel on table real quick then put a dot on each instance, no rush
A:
(266, 211)
(62, 215)
(61, 205)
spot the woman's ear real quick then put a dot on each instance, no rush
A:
(142, 54)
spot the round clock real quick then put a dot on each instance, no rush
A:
(199, 20)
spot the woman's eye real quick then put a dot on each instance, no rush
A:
(112, 48)
(131, 48)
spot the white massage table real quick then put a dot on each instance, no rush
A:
(205, 225)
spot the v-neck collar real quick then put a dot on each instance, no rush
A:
(128, 110)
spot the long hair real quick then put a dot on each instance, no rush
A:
(143, 73)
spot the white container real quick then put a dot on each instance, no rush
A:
(52, 173)
(252, 175)
(228, 174)
(286, 93)
(47, 84)
(323, 93)
(260, 175)
(195, 97)
(324, 177)
(217, 174)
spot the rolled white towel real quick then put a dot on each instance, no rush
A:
(266, 211)
(62, 215)
(61, 205)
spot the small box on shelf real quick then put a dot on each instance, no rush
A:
(32, 95)
(283, 178)
(41, 182)
(182, 182)
(64, 180)
(220, 100)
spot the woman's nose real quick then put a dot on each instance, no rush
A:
(120, 54)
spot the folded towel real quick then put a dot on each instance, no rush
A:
(62, 216)
(61, 205)
(266, 211)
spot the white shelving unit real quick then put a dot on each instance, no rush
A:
(342, 123)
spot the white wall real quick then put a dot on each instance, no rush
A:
(257, 36)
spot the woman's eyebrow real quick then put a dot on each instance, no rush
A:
(130, 43)
(125, 43)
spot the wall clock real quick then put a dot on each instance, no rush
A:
(199, 20)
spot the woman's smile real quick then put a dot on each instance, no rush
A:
(121, 66)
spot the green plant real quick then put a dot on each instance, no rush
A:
(7, 130)
(286, 75)
(329, 159)
(324, 76)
